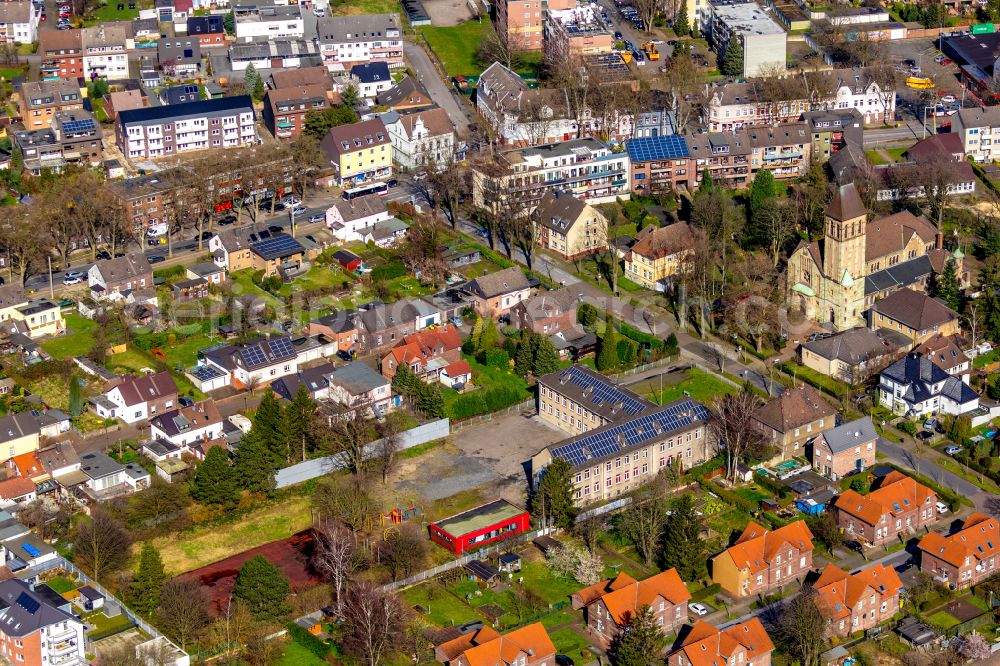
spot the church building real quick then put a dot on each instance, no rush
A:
(860, 262)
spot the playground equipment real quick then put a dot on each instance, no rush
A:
(401, 515)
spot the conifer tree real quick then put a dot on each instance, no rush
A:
(732, 59)
(607, 353)
(143, 593)
(214, 480)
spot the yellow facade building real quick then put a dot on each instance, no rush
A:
(358, 153)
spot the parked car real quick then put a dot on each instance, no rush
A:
(319, 12)
(563, 660)
(344, 354)
(205, 235)
(948, 99)
(318, 217)
(457, 321)
(298, 210)
(227, 220)
(953, 450)
(290, 202)
(78, 274)
(618, 36)
(156, 258)
(930, 423)
(854, 545)
(186, 401)
(925, 435)
(942, 507)
(275, 229)
(72, 279)
(698, 609)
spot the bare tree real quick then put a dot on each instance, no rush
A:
(444, 187)
(973, 318)
(340, 429)
(643, 519)
(335, 557)
(883, 75)
(101, 545)
(233, 627)
(647, 10)
(183, 611)
(682, 81)
(347, 500)
(935, 178)
(387, 446)
(538, 114)
(403, 550)
(422, 249)
(508, 50)
(375, 623)
(731, 423)
(803, 628)
(589, 530)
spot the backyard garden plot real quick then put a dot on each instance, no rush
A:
(694, 383)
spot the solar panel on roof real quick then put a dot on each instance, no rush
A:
(281, 347)
(602, 391)
(84, 125)
(253, 356)
(657, 148)
(276, 245)
(28, 603)
(206, 372)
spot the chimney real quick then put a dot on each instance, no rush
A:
(938, 240)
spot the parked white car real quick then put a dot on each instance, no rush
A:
(942, 507)
(698, 609)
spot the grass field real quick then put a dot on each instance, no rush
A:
(942, 620)
(204, 545)
(699, 385)
(296, 654)
(366, 7)
(77, 341)
(110, 12)
(60, 584)
(456, 46)
(440, 606)
(102, 623)
(570, 643)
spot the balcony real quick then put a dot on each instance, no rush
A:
(61, 647)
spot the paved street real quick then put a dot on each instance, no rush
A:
(921, 459)
(446, 96)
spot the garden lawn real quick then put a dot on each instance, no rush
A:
(110, 12)
(875, 157)
(61, 585)
(551, 588)
(77, 340)
(820, 381)
(244, 279)
(479, 268)
(896, 153)
(700, 385)
(296, 654)
(102, 623)
(203, 545)
(984, 360)
(571, 644)
(441, 607)
(483, 378)
(456, 46)
(318, 277)
(942, 620)
(186, 347)
(366, 7)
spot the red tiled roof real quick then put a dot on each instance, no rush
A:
(839, 592)
(707, 645)
(978, 538)
(755, 548)
(897, 494)
(17, 487)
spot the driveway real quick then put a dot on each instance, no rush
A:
(440, 92)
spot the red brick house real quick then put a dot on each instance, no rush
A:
(846, 449)
(547, 313)
(608, 605)
(426, 352)
(341, 326)
(495, 294)
(528, 646)
(745, 644)
(899, 506)
(762, 559)
(964, 558)
(859, 601)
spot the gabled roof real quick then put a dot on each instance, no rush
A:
(979, 538)
(137, 390)
(794, 408)
(427, 344)
(11, 489)
(623, 596)
(944, 350)
(354, 137)
(502, 282)
(314, 379)
(357, 378)
(706, 645)
(889, 235)
(360, 207)
(559, 211)
(665, 241)
(123, 268)
(547, 304)
(303, 76)
(435, 121)
(855, 346)
(405, 93)
(936, 147)
(532, 641)
(839, 592)
(24, 612)
(188, 419)
(851, 435)
(896, 495)
(756, 546)
(915, 309)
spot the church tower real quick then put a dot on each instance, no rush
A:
(844, 247)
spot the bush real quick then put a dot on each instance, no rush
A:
(388, 271)
(770, 485)
(495, 257)
(643, 338)
(586, 314)
(729, 496)
(909, 427)
(485, 401)
(698, 472)
(494, 358)
(670, 346)
(468, 347)
(307, 640)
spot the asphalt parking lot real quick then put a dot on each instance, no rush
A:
(945, 77)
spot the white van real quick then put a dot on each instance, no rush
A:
(154, 230)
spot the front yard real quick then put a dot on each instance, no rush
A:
(77, 340)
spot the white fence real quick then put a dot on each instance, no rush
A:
(310, 469)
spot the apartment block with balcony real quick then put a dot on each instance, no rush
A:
(40, 101)
(659, 164)
(38, 627)
(979, 129)
(61, 53)
(263, 21)
(587, 168)
(519, 24)
(105, 50)
(285, 109)
(734, 157)
(345, 41)
(18, 22)
(164, 131)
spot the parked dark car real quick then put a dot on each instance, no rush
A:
(186, 401)
(563, 660)
(156, 258)
(275, 229)
(228, 219)
(344, 354)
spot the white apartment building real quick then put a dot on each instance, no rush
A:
(979, 129)
(764, 41)
(105, 51)
(268, 22)
(421, 138)
(345, 41)
(18, 22)
(154, 132)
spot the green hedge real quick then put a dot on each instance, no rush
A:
(388, 271)
(308, 641)
(699, 471)
(730, 497)
(485, 401)
(495, 257)
(770, 484)
(643, 338)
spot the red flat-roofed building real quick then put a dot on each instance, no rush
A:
(477, 527)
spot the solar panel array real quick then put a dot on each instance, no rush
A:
(28, 603)
(276, 245)
(618, 437)
(206, 372)
(602, 391)
(85, 125)
(657, 148)
(281, 348)
(253, 356)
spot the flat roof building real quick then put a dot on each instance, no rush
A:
(764, 41)
(478, 526)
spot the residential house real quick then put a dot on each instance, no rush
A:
(58, 460)
(136, 399)
(547, 312)
(371, 78)
(285, 109)
(19, 22)
(745, 643)
(457, 375)
(346, 218)
(946, 353)
(382, 324)
(915, 315)
(406, 96)
(979, 128)
(568, 226)
(853, 355)
(124, 100)
(254, 363)
(189, 290)
(315, 379)
(340, 326)
(793, 419)
(529, 645)
(846, 449)
(426, 353)
(359, 152)
(834, 130)
(278, 255)
(573, 33)
(208, 271)
(345, 41)
(898, 508)
(519, 24)
(105, 50)
(19, 434)
(964, 558)
(386, 233)
(110, 279)
(496, 293)
(39, 101)
(916, 386)
(357, 386)
(859, 601)
(17, 490)
(73, 137)
(208, 30)
(268, 22)
(421, 138)
(105, 478)
(298, 78)
(660, 164)
(61, 53)
(34, 318)
(179, 57)
(656, 260)
(188, 426)
(608, 605)
(169, 130)
(39, 627)
(762, 560)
